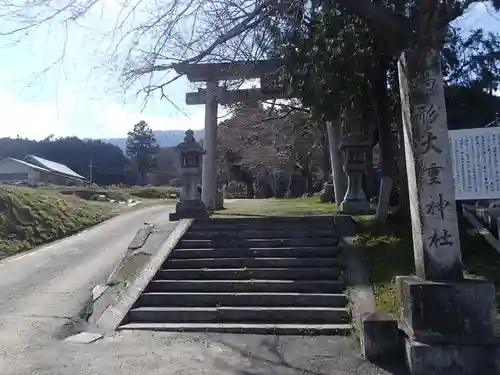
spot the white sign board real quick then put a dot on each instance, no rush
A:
(476, 163)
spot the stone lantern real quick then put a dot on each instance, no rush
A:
(356, 148)
(188, 158)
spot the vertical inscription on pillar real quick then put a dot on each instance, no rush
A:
(429, 163)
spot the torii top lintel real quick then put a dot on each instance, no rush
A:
(227, 71)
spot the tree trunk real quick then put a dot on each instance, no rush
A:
(309, 182)
(339, 176)
(289, 192)
(325, 159)
(369, 176)
(385, 139)
(142, 174)
(250, 190)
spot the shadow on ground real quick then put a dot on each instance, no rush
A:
(320, 355)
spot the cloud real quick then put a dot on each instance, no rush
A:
(116, 120)
(72, 115)
(30, 120)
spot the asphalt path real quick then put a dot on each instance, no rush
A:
(43, 291)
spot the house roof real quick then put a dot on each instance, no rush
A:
(25, 163)
(53, 166)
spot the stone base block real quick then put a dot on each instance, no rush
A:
(462, 312)
(355, 206)
(425, 359)
(192, 209)
(380, 337)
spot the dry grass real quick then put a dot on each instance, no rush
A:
(32, 217)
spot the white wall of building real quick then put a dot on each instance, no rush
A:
(11, 170)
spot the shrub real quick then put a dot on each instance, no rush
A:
(156, 192)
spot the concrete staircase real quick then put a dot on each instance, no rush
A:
(265, 275)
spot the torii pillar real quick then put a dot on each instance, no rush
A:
(209, 171)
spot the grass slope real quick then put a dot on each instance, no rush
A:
(32, 217)
(120, 193)
(388, 252)
(276, 207)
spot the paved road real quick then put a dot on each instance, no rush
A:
(41, 292)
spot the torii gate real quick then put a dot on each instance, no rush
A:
(212, 73)
(214, 95)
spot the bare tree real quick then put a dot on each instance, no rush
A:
(146, 38)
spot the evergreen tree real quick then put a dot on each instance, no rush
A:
(142, 148)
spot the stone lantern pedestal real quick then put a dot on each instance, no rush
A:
(189, 156)
(356, 148)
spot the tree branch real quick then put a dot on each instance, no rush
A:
(376, 17)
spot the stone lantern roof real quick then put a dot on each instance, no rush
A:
(189, 143)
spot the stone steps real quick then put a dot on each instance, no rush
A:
(245, 286)
(265, 224)
(203, 263)
(263, 252)
(246, 328)
(268, 233)
(231, 314)
(222, 243)
(218, 299)
(281, 276)
(250, 274)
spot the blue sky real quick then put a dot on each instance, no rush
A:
(81, 97)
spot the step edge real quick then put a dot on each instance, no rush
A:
(269, 269)
(242, 308)
(284, 325)
(249, 281)
(240, 258)
(246, 294)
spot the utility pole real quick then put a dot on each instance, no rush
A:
(90, 172)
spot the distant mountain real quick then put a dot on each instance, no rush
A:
(165, 138)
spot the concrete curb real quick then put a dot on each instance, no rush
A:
(137, 243)
(378, 331)
(114, 315)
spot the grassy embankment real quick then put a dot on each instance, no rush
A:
(387, 250)
(32, 217)
(119, 193)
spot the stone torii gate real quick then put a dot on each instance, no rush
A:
(214, 95)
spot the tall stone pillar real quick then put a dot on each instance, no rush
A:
(338, 174)
(429, 168)
(449, 322)
(208, 179)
